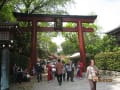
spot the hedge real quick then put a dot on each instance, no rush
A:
(108, 61)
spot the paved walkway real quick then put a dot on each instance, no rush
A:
(77, 85)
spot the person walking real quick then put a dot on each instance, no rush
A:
(49, 71)
(39, 70)
(59, 70)
(53, 71)
(78, 69)
(81, 69)
(64, 71)
(70, 71)
(92, 71)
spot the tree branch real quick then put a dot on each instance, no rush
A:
(38, 6)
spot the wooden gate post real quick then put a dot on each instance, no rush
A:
(33, 45)
(81, 44)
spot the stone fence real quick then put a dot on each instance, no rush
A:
(109, 73)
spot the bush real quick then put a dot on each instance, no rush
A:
(108, 61)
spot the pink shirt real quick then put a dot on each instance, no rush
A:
(59, 68)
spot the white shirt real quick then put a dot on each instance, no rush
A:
(90, 72)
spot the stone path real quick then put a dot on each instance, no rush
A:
(77, 85)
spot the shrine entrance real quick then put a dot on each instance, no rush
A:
(58, 20)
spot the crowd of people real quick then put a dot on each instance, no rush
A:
(60, 70)
(66, 71)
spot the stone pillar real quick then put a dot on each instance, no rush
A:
(5, 69)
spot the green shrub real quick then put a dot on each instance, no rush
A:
(108, 61)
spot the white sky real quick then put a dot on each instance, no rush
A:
(107, 11)
(59, 39)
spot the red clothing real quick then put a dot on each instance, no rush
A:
(49, 72)
(81, 69)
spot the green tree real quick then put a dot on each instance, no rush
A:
(52, 47)
(71, 44)
(6, 11)
(42, 6)
(45, 44)
(109, 43)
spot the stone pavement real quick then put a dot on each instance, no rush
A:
(77, 85)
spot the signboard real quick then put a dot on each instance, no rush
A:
(58, 24)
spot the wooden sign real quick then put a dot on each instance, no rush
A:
(58, 24)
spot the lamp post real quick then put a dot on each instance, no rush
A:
(6, 42)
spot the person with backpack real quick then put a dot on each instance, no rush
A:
(70, 71)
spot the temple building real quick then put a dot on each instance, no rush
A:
(115, 32)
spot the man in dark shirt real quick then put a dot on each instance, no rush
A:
(39, 70)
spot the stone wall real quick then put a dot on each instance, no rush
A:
(109, 73)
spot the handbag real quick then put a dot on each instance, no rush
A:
(95, 78)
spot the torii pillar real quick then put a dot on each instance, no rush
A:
(33, 56)
(81, 44)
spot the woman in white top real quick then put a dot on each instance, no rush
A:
(92, 70)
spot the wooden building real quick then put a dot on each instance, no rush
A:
(115, 32)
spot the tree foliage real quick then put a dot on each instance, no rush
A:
(42, 6)
(109, 43)
(71, 44)
(45, 44)
(6, 11)
(108, 60)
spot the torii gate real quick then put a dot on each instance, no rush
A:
(34, 28)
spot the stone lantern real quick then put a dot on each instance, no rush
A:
(6, 41)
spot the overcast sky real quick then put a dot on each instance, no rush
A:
(107, 11)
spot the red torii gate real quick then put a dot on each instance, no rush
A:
(35, 18)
